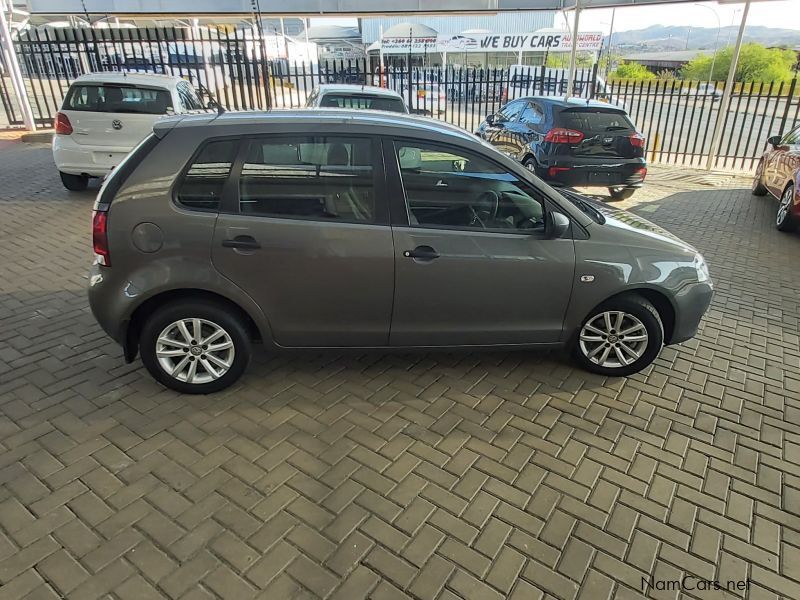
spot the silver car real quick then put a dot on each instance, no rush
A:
(359, 229)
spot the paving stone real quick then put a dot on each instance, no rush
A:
(457, 475)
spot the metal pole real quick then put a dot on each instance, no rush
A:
(726, 94)
(574, 54)
(7, 48)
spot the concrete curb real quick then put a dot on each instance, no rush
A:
(37, 137)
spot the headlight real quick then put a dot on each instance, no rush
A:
(701, 267)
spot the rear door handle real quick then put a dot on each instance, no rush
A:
(242, 242)
(422, 253)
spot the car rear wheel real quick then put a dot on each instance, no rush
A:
(758, 188)
(620, 337)
(195, 347)
(74, 183)
(784, 220)
(621, 193)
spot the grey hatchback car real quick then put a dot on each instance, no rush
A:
(355, 229)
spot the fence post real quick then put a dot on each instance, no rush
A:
(7, 48)
(785, 116)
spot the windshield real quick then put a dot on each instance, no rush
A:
(579, 201)
(363, 101)
(113, 98)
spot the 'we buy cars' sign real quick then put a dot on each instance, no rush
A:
(542, 41)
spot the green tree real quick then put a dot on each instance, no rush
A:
(756, 63)
(583, 60)
(631, 70)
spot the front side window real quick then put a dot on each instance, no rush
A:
(791, 138)
(447, 187)
(532, 115)
(511, 110)
(328, 178)
(201, 187)
(188, 97)
(97, 97)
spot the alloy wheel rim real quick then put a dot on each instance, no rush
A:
(195, 350)
(613, 339)
(783, 207)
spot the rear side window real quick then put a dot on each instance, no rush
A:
(588, 120)
(118, 99)
(328, 178)
(201, 187)
(363, 102)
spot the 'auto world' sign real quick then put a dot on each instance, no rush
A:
(541, 41)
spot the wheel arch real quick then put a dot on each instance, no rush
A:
(660, 301)
(153, 303)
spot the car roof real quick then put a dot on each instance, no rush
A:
(152, 79)
(248, 122)
(349, 88)
(572, 102)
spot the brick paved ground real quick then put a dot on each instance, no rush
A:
(416, 476)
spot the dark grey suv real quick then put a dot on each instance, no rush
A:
(342, 229)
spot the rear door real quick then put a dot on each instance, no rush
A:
(305, 233)
(607, 133)
(500, 133)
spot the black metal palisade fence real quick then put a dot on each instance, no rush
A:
(677, 117)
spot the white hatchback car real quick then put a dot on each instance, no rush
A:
(105, 115)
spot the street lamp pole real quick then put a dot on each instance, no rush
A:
(716, 41)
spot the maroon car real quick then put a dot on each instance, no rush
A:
(778, 173)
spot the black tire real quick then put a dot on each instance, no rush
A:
(784, 220)
(219, 315)
(617, 193)
(530, 164)
(74, 183)
(646, 313)
(758, 188)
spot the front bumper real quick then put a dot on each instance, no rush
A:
(691, 303)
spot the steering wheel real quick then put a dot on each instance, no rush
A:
(488, 204)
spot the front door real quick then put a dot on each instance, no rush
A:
(309, 239)
(473, 264)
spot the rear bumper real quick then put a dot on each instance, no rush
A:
(76, 159)
(592, 172)
(691, 302)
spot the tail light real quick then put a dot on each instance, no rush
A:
(553, 171)
(62, 124)
(560, 135)
(641, 172)
(637, 140)
(100, 237)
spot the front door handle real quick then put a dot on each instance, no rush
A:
(422, 253)
(242, 242)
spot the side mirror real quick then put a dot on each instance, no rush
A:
(559, 225)
(774, 141)
(490, 119)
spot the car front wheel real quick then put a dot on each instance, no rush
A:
(784, 220)
(620, 337)
(621, 193)
(195, 347)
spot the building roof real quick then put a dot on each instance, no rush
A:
(333, 32)
(410, 30)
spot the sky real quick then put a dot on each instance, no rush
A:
(778, 13)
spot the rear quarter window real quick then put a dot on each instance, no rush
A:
(96, 97)
(589, 120)
(202, 185)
